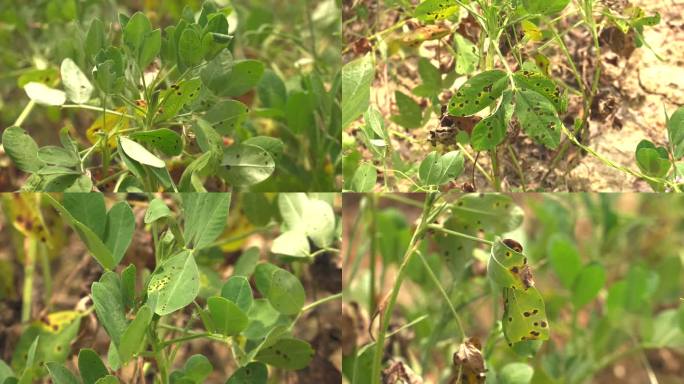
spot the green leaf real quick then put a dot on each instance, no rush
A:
(467, 55)
(61, 375)
(128, 285)
(119, 230)
(437, 170)
(292, 243)
(150, 48)
(538, 82)
(516, 373)
(652, 160)
(491, 212)
(364, 178)
(524, 316)
(507, 267)
(174, 284)
(357, 77)
(227, 116)
(109, 305)
(205, 217)
(228, 318)
(311, 216)
(135, 30)
(287, 353)
(410, 113)
(44, 95)
(675, 131)
(238, 290)
(246, 164)
(96, 38)
(282, 289)
(109, 379)
(491, 131)
(133, 339)
(94, 242)
(433, 10)
(163, 139)
(22, 149)
(244, 76)
(478, 92)
(564, 258)
(262, 318)
(197, 368)
(178, 95)
(545, 7)
(139, 153)
(588, 283)
(208, 140)
(258, 208)
(78, 87)
(89, 209)
(190, 48)
(247, 262)
(156, 210)
(538, 118)
(57, 156)
(252, 373)
(90, 366)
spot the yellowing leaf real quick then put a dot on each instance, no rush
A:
(57, 321)
(531, 30)
(108, 124)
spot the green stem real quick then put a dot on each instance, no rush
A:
(321, 301)
(386, 315)
(99, 109)
(372, 204)
(31, 246)
(24, 113)
(459, 234)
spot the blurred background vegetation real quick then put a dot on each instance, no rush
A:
(628, 328)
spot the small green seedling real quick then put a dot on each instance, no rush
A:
(136, 308)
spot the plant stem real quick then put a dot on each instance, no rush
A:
(24, 113)
(401, 199)
(31, 247)
(99, 109)
(441, 289)
(459, 234)
(372, 205)
(321, 301)
(385, 317)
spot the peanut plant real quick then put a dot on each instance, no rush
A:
(446, 288)
(149, 314)
(176, 107)
(497, 85)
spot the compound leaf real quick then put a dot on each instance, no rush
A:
(544, 86)
(177, 96)
(135, 30)
(190, 48)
